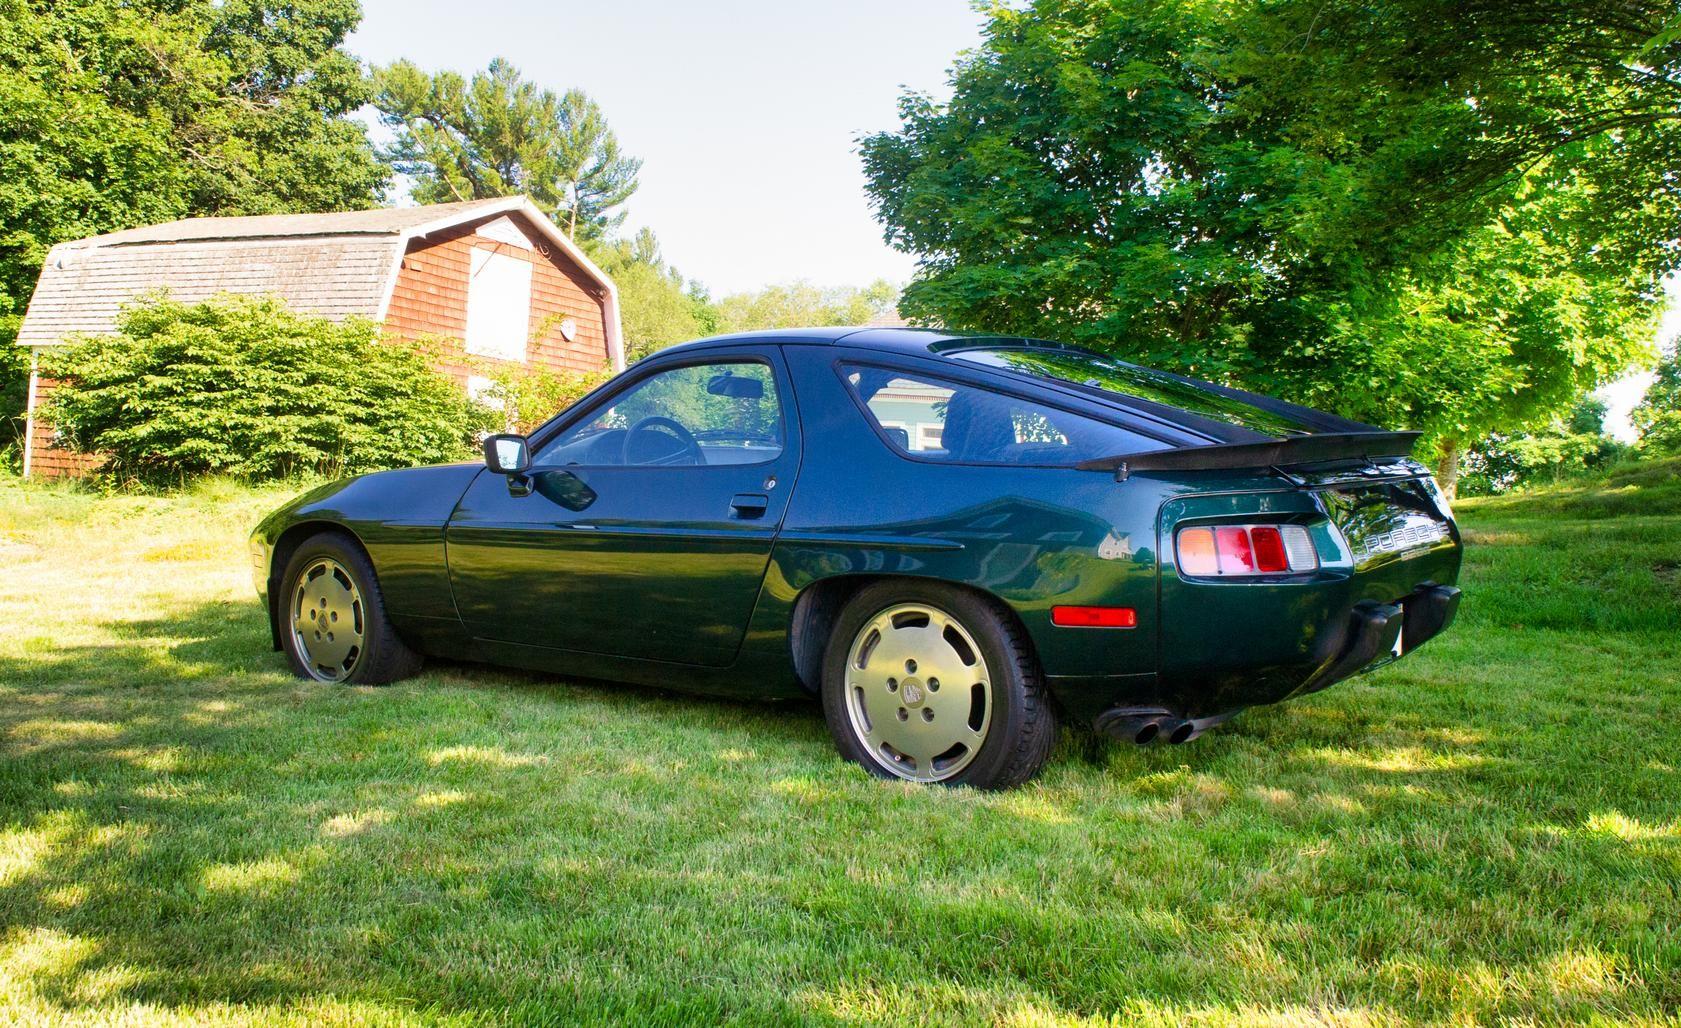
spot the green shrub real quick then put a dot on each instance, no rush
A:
(526, 396)
(14, 394)
(1565, 448)
(244, 386)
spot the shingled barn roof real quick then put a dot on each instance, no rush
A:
(333, 265)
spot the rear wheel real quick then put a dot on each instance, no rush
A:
(931, 683)
(332, 617)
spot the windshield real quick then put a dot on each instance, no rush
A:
(1118, 376)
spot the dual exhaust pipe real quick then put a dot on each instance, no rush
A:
(1144, 725)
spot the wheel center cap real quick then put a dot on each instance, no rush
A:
(911, 692)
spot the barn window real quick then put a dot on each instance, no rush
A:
(498, 305)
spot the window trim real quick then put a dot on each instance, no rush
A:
(589, 406)
(841, 364)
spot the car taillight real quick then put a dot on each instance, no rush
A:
(1246, 550)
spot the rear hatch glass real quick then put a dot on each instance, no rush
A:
(1389, 521)
(1093, 370)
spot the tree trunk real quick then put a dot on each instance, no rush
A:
(1447, 467)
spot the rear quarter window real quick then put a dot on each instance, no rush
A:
(1125, 379)
(937, 419)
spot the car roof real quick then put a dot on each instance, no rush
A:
(1206, 409)
(921, 342)
(915, 339)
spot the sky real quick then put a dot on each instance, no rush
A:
(745, 112)
(1622, 396)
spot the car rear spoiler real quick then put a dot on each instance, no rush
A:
(1301, 449)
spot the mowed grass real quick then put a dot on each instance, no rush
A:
(1488, 831)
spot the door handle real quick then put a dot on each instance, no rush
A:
(749, 505)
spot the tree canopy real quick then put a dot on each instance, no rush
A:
(1451, 216)
(115, 115)
(1658, 415)
(499, 134)
(657, 307)
(796, 304)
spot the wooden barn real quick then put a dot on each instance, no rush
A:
(495, 278)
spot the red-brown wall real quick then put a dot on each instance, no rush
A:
(430, 300)
(46, 458)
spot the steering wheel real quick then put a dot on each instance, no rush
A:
(687, 446)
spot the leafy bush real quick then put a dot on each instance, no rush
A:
(527, 396)
(14, 394)
(244, 386)
(1565, 448)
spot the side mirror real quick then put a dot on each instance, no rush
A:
(507, 454)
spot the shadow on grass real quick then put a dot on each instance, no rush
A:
(185, 824)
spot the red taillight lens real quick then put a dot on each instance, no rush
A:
(1232, 547)
(1094, 617)
(1269, 550)
(1239, 550)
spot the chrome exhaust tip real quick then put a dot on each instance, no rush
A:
(1139, 725)
(1181, 732)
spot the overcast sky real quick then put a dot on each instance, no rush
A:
(744, 112)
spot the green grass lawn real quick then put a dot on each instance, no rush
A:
(1490, 830)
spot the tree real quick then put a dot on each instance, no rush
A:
(499, 134)
(799, 304)
(116, 115)
(1658, 415)
(1363, 206)
(1568, 445)
(1587, 417)
(656, 307)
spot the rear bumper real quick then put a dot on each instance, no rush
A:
(1375, 634)
(1380, 632)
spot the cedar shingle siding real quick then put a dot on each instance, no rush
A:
(430, 298)
(405, 266)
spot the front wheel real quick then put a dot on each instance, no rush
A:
(332, 617)
(931, 683)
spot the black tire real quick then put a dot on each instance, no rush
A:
(1022, 727)
(381, 657)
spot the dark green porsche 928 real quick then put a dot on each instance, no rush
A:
(958, 542)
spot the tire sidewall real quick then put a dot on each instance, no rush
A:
(1010, 674)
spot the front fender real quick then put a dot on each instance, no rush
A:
(397, 516)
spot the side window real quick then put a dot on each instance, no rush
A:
(936, 419)
(722, 413)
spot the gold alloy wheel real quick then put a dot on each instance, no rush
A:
(327, 620)
(918, 693)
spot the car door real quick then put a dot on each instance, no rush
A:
(645, 523)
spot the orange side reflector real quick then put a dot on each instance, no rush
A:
(1094, 617)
